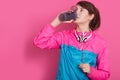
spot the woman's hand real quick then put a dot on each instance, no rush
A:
(57, 21)
(85, 67)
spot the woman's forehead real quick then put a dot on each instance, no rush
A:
(79, 7)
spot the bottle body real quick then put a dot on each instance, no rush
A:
(67, 16)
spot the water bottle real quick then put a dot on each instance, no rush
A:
(67, 16)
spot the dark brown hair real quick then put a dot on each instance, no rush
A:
(95, 22)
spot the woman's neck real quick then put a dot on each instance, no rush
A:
(82, 28)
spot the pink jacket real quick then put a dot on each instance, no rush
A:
(47, 38)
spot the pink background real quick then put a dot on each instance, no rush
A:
(21, 20)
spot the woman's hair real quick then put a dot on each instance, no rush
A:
(95, 22)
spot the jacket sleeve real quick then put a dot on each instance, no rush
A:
(102, 70)
(47, 38)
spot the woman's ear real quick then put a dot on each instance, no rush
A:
(91, 17)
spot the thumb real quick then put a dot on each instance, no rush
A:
(81, 65)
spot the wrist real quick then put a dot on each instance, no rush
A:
(89, 71)
(55, 23)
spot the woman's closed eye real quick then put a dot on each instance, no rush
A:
(81, 9)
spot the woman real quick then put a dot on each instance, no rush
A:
(83, 54)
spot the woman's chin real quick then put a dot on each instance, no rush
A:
(75, 21)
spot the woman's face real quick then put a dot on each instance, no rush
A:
(83, 15)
